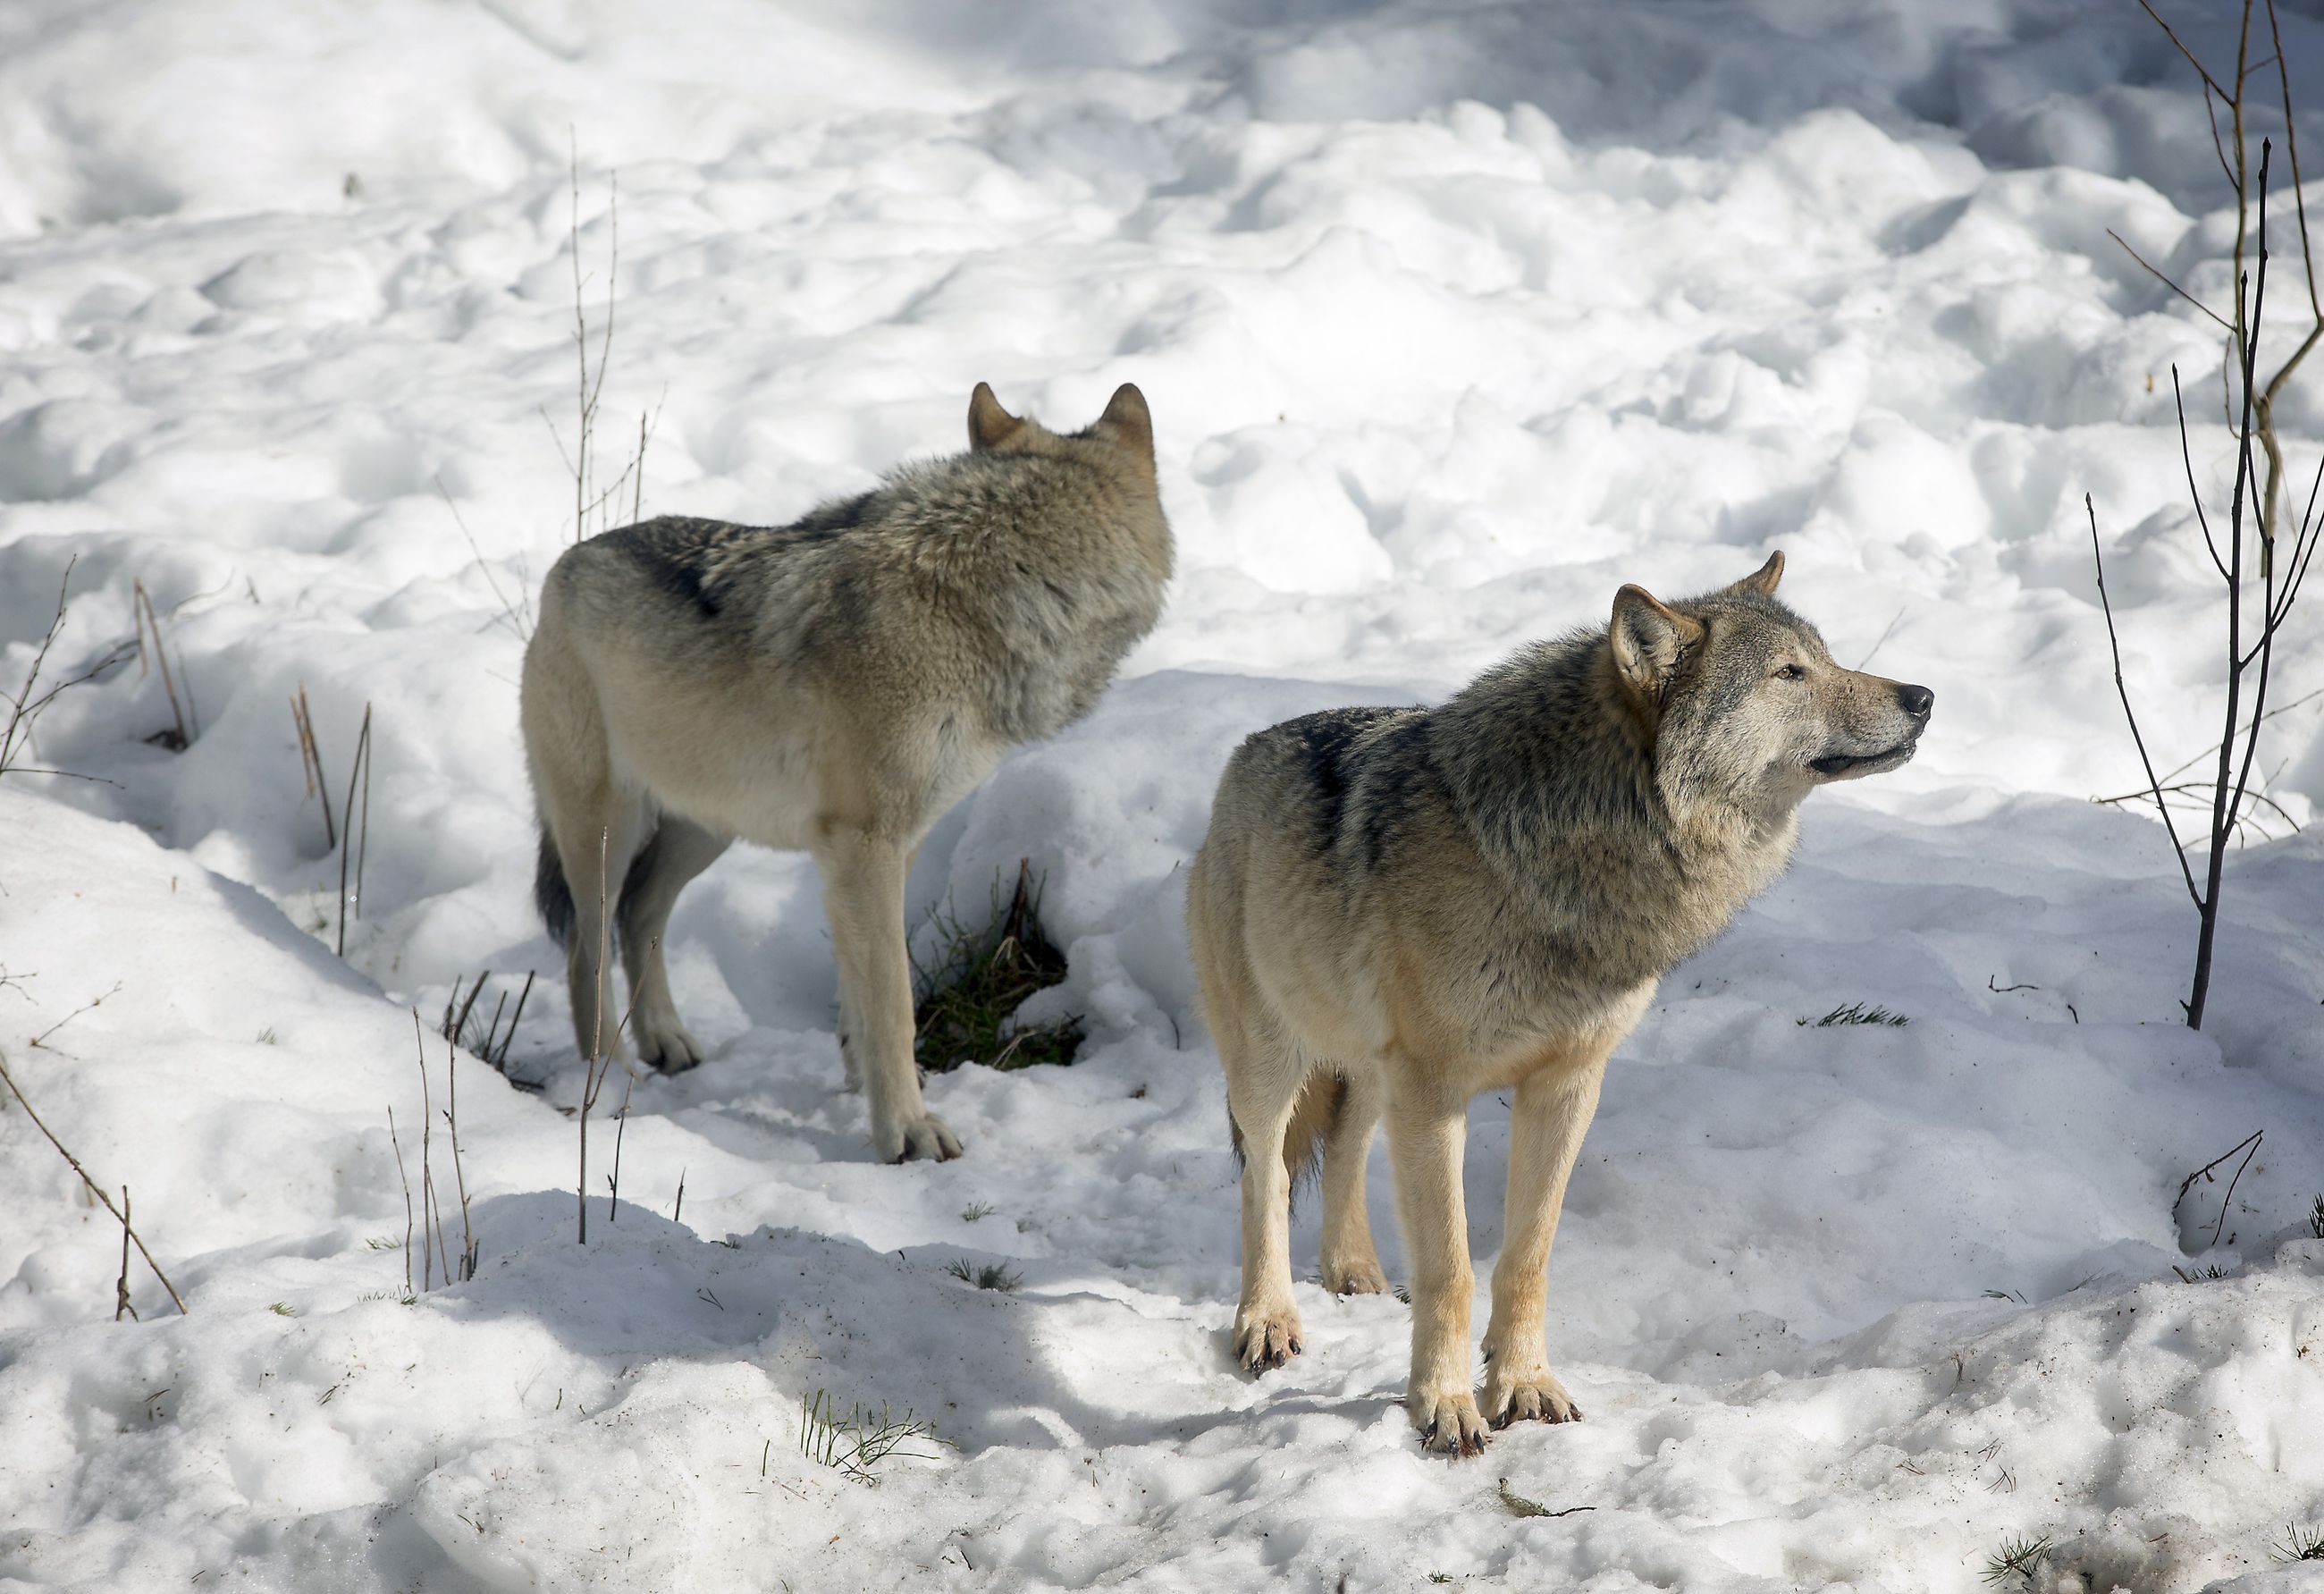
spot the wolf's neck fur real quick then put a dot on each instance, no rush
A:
(1553, 768)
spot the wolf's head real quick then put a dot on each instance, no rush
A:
(1743, 701)
(1122, 438)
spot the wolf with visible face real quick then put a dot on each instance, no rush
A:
(833, 685)
(1396, 908)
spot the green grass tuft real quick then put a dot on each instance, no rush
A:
(2016, 1558)
(2300, 1544)
(991, 1275)
(1857, 1013)
(858, 1445)
(970, 993)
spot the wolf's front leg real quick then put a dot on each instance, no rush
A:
(1427, 1132)
(864, 897)
(1548, 1114)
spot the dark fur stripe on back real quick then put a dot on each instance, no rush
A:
(1322, 743)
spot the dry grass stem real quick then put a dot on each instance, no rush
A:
(121, 1285)
(401, 1173)
(180, 734)
(310, 765)
(357, 835)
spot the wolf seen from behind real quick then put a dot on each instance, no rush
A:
(833, 685)
(1396, 908)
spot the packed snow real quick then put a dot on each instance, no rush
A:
(1453, 318)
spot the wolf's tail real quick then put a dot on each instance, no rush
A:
(552, 894)
(1314, 1115)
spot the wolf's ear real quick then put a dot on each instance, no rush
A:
(1131, 422)
(989, 425)
(1761, 583)
(1648, 639)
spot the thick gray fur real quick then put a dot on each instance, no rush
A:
(1396, 908)
(833, 685)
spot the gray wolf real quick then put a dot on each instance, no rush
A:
(1396, 908)
(833, 685)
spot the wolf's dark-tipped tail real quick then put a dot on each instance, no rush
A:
(552, 894)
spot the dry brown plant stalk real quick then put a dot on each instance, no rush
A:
(310, 764)
(121, 1285)
(179, 737)
(396, 1142)
(459, 1174)
(357, 832)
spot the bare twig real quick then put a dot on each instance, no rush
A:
(621, 1128)
(589, 387)
(24, 708)
(459, 1174)
(2251, 415)
(592, 1073)
(2178, 849)
(95, 1189)
(432, 1217)
(2224, 804)
(2209, 81)
(516, 614)
(392, 1139)
(93, 1002)
(2165, 280)
(2283, 708)
(2187, 1183)
(1886, 631)
(2187, 459)
(121, 1285)
(2228, 1199)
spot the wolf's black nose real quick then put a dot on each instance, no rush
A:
(1915, 701)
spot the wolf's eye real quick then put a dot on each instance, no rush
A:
(1791, 672)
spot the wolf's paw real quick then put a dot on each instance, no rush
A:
(1265, 1340)
(1533, 1395)
(1448, 1420)
(1361, 1277)
(669, 1047)
(925, 1138)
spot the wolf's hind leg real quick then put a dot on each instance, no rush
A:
(1350, 1262)
(1549, 1110)
(863, 898)
(596, 837)
(1265, 1077)
(678, 850)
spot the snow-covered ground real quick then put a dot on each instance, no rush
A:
(1453, 318)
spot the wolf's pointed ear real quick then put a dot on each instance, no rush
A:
(989, 425)
(1648, 639)
(1131, 423)
(1761, 583)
